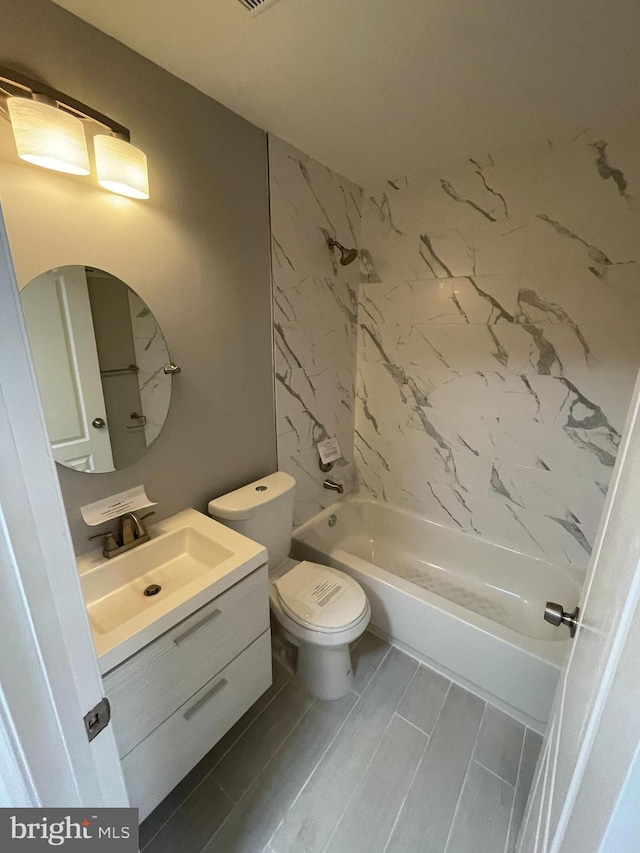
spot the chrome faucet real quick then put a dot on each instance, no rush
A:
(333, 486)
(132, 533)
(132, 528)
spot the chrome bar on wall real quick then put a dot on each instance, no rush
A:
(132, 368)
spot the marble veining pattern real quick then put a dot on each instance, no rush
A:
(315, 316)
(151, 357)
(497, 340)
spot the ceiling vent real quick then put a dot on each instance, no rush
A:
(256, 6)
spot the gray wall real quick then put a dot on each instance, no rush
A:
(197, 252)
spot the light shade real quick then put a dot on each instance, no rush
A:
(121, 167)
(46, 136)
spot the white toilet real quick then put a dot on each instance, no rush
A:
(319, 609)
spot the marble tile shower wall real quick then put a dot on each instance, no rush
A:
(499, 340)
(315, 310)
(151, 357)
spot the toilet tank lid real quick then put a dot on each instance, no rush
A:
(254, 497)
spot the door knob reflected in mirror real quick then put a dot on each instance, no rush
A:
(556, 615)
(98, 423)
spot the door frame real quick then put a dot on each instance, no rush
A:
(49, 676)
(606, 763)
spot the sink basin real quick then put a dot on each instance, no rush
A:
(189, 560)
(116, 594)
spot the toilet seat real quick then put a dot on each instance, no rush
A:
(320, 598)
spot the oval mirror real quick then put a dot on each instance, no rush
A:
(99, 356)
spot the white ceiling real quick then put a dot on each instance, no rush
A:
(379, 88)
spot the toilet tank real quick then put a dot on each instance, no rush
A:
(262, 511)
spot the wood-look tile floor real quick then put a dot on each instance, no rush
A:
(406, 763)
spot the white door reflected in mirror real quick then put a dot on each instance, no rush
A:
(99, 356)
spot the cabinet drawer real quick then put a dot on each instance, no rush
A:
(147, 688)
(156, 765)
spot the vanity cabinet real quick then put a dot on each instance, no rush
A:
(175, 698)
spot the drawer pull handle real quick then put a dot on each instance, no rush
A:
(204, 699)
(182, 637)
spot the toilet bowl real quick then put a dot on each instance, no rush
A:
(319, 609)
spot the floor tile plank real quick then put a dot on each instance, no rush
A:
(313, 817)
(427, 814)
(195, 822)
(260, 811)
(359, 775)
(424, 698)
(369, 818)
(499, 744)
(530, 752)
(481, 823)
(249, 755)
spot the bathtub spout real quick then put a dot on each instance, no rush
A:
(333, 486)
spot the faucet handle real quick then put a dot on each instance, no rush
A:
(109, 543)
(142, 527)
(106, 534)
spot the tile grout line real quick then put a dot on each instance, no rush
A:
(435, 722)
(404, 799)
(235, 805)
(411, 680)
(371, 677)
(374, 753)
(329, 745)
(304, 713)
(174, 813)
(313, 770)
(419, 764)
(359, 784)
(269, 848)
(413, 725)
(469, 688)
(466, 775)
(444, 699)
(493, 773)
(206, 776)
(515, 791)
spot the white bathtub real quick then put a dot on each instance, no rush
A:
(466, 607)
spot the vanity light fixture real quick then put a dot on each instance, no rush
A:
(45, 136)
(48, 131)
(121, 167)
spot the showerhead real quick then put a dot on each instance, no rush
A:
(347, 256)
